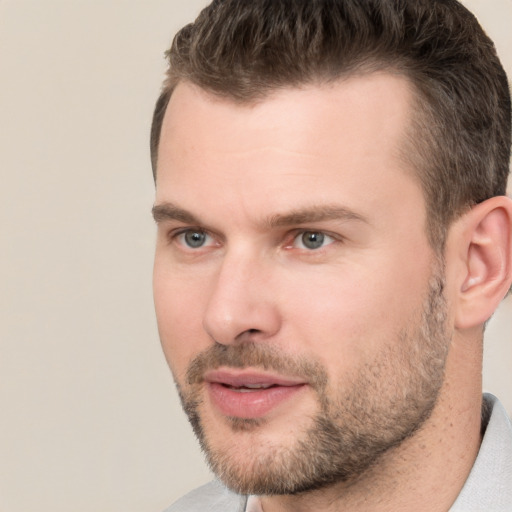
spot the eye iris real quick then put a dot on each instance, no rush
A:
(312, 240)
(194, 238)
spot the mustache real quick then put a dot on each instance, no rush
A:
(256, 355)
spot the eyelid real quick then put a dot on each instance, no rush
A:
(297, 233)
(174, 235)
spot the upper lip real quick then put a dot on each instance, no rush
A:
(240, 378)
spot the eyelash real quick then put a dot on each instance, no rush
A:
(174, 236)
(298, 237)
(291, 240)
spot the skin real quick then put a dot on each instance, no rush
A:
(235, 167)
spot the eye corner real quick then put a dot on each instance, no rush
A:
(193, 239)
(312, 240)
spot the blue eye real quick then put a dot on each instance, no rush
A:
(194, 239)
(313, 240)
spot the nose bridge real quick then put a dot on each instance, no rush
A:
(241, 302)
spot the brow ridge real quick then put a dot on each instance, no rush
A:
(169, 211)
(317, 213)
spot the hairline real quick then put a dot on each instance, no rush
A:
(411, 145)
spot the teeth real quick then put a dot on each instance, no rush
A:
(246, 388)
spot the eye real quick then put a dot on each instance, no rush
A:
(194, 238)
(312, 240)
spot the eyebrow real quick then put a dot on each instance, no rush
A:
(169, 211)
(315, 214)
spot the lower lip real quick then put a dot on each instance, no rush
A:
(250, 404)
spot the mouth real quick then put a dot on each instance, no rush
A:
(250, 394)
(248, 388)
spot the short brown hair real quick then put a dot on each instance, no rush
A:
(460, 143)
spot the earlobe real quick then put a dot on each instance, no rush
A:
(486, 240)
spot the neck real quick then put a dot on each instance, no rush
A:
(427, 471)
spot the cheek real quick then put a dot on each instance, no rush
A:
(179, 312)
(351, 313)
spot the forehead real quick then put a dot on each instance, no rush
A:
(297, 142)
(381, 97)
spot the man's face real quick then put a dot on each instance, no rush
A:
(299, 303)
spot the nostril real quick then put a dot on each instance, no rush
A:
(248, 335)
(231, 319)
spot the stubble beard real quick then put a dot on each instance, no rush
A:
(386, 402)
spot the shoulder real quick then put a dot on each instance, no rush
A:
(489, 485)
(212, 497)
(497, 432)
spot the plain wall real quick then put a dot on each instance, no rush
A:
(89, 420)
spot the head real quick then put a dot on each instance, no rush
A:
(459, 143)
(313, 162)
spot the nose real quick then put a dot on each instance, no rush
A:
(242, 303)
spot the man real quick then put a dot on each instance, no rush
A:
(333, 235)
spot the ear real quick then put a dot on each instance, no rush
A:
(485, 253)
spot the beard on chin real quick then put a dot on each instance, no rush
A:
(383, 403)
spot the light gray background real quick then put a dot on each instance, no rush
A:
(89, 420)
